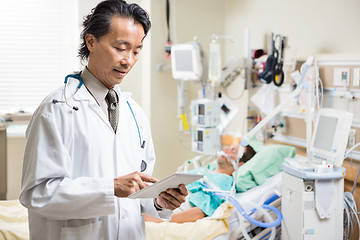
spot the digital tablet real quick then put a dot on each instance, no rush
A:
(172, 181)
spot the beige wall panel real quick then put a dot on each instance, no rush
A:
(295, 127)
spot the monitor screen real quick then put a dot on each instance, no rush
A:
(200, 136)
(202, 109)
(184, 60)
(325, 133)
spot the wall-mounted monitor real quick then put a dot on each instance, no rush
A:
(186, 61)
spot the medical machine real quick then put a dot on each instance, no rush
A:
(228, 110)
(186, 61)
(313, 186)
(205, 140)
(331, 136)
(205, 112)
(205, 119)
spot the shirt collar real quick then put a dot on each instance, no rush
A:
(94, 86)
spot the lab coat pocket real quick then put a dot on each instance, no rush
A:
(93, 231)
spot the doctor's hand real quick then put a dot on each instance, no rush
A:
(131, 183)
(172, 198)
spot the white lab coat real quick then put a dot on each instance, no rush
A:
(71, 159)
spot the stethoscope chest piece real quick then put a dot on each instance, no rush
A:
(143, 166)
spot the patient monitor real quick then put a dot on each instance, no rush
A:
(330, 136)
(186, 61)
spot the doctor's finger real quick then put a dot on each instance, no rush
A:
(148, 178)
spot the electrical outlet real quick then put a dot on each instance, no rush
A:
(352, 138)
(341, 77)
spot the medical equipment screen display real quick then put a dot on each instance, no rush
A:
(200, 136)
(201, 109)
(184, 60)
(324, 137)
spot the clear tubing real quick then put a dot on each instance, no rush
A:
(266, 214)
(250, 219)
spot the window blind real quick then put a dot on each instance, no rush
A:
(38, 47)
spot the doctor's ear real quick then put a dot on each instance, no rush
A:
(90, 40)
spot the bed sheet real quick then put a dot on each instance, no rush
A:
(13, 221)
(271, 185)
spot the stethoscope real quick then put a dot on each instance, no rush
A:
(81, 82)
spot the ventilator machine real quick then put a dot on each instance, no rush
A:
(313, 186)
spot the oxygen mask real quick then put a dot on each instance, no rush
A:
(228, 158)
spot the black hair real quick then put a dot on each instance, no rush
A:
(98, 22)
(249, 152)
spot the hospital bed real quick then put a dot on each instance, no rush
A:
(225, 222)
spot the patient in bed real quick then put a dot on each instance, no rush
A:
(201, 204)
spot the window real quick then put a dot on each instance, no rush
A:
(38, 47)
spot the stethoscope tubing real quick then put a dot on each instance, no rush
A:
(81, 82)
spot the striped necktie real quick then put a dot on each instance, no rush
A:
(113, 108)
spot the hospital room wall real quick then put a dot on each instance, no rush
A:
(312, 27)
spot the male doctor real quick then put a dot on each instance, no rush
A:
(79, 166)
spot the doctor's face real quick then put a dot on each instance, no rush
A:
(113, 55)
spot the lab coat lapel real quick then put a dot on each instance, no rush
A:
(84, 95)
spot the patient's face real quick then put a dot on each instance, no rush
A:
(232, 153)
